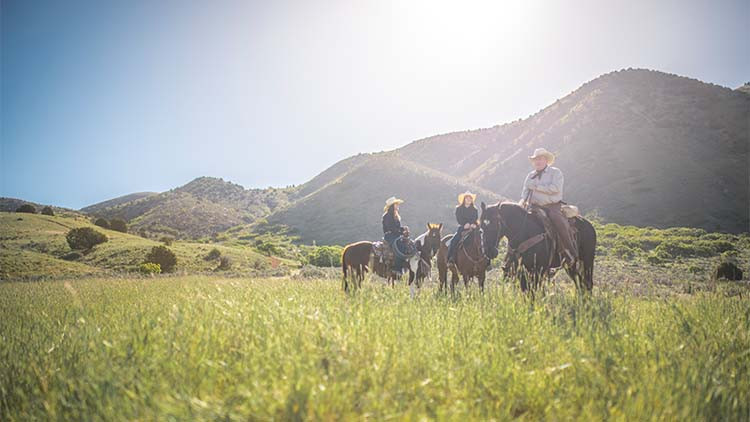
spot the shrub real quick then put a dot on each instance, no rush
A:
(118, 224)
(167, 240)
(225, 263)
(47, 211)
(149, 268)
(623, 251)
(164, 257)
(213, 254)
(102, 223)
(27, 208)
(324, 256)
(72, 256)
(84, 238)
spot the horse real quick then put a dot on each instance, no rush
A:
(529, 245)
(356, 259)
(470, 260)
(428, 244)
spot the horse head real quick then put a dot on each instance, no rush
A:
(432, 238)
(492, 228)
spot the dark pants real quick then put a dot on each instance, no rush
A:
(390, 239)
(562, 226)
(454, 243)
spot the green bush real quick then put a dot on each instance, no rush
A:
(225, 263)
(48, 211)
(161, 255)
(84, 238)
(102, 223)
(27, 208)
(149, 268)
(324, 256)
(118, 224)
(167, 240)
(213, 254)
(623, 251)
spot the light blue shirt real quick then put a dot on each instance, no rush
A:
(547, 188)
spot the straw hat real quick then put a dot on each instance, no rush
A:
(463, 195)
(541, 152)
(390, 201)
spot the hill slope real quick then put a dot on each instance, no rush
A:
(32, 245)
(349, 207)
(641, 147)
(203, 207)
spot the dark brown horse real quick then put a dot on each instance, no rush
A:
(529, 246)
(355, 260)
(428, 245)
(470, 260)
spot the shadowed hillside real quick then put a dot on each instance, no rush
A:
(93, 209)
(349, 207)
(641, 147)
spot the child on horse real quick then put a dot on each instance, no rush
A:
(467, 217)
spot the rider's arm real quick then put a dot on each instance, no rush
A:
(555, 186)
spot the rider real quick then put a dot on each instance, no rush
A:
(467, 217)
(543, 187)
(392, 229)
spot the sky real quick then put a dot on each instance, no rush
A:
(105, 98)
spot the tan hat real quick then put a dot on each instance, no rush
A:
(541, 152)
(464, 195)
(390, 201)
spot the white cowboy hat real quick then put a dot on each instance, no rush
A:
(461, 197)
(390, 201)
(541, 152)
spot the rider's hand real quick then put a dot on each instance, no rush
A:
(466, 226)
(473, 226)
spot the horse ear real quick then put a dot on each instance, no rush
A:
(484, 206)
(429, 226)
(440, 226)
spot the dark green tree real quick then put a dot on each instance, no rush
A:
(102, 223)
(118, 224)
(27, 208)
(47, 211)
(161, 255)
(84, 238)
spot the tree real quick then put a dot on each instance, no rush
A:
(47, 211)
(84, 238)
(325, 256)
(27, 208)
(161, 255)
(118, 224)
(213, 254)
(102, 223)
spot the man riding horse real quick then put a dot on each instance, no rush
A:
(543, 188)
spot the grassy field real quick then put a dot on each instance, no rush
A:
(259, 349)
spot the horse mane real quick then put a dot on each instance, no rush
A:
(421, 237)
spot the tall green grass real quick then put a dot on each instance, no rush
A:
(239, 349)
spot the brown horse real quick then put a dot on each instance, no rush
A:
(428, 245)
(470, 260)
(355, 259)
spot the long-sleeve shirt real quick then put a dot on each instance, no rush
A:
(466, 215)
(547, 187)
(391, 224)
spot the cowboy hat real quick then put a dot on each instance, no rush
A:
(463, 195)
(390, 201)
(541, 152)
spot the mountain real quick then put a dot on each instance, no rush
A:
(203, 207)
(95, 208)
(12, 204)
(349, 205)
(637, 147)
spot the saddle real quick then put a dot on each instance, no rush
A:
(386, 254)
(569, 211)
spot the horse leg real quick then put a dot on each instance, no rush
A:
(481, 276)
(454, 280)
(466, 280)
(523, 279)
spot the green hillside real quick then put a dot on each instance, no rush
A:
(203, 207)
(32, 246)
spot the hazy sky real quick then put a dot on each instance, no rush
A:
(104, 98)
